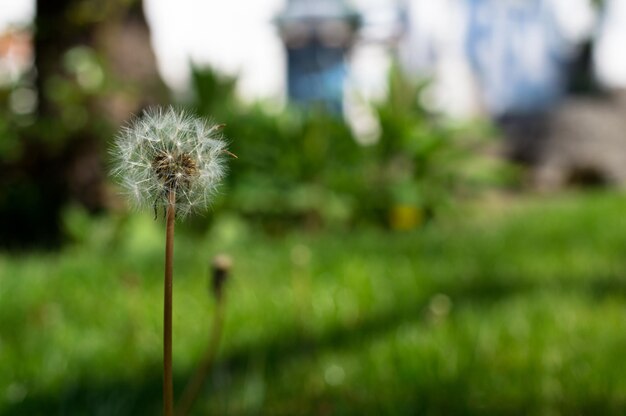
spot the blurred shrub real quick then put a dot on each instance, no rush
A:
(93, 67)
(49, 158)
(307, 167)
(296, 167)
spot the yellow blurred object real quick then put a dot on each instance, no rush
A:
(405, 217)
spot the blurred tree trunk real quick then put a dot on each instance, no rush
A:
(94, 66)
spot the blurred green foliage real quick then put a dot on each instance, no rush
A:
(49, 159)
(57, 115)
(80, 88)
(306, 166)
(295, 167)
(516, 308)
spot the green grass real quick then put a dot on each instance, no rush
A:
(516, 309)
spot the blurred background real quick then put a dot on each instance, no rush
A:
(425, 216)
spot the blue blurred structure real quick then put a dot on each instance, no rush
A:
(317, 35)
(518, 54)
(497, 57)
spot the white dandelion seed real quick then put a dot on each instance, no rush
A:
(167, 150)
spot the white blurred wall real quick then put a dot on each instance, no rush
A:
(235, 36)
(239, 38)
(610, 53)
(16, 12)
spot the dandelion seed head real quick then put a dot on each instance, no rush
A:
(168, 150)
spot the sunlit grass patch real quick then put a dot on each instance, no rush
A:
(520, 312)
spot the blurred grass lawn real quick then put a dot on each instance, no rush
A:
(516, 309)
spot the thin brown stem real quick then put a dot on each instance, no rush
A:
(192, 391)
(168, 384)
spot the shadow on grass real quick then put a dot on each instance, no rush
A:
(142, 395)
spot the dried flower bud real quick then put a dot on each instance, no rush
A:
(220, 270)
(168, 150)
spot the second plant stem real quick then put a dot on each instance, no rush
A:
(193, 389)
(168, 383)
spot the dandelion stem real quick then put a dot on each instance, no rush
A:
(168, 384)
